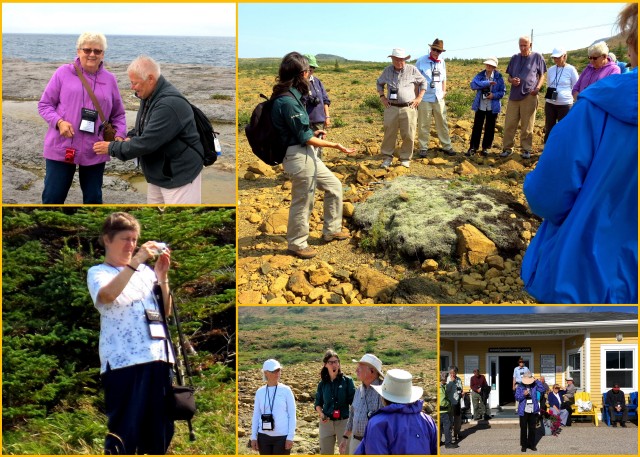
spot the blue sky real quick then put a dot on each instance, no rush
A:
(369, 31)
(167, 19)
(534, 309)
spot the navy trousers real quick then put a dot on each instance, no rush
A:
(58, 179)
(136, 407)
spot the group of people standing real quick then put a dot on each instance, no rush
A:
(82, 101)
(383, 416)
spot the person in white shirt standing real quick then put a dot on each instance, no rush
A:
(558, 100)
(274, 414)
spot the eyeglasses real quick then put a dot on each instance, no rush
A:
(333, 362)
(595, 58)
(88, 51)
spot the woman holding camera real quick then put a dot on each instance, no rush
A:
(317, 101)
(135, 363)
(274, 414)
(490, 88)
(334, 396)
(75, 124)
(528, 408)
(558, 99)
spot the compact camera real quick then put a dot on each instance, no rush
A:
(69, 155)
(485, 93)
(268, 422)
(160, 248)
(313, 101)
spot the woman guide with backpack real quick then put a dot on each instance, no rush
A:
(301, 162)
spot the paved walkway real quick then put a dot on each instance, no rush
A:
(485, 438)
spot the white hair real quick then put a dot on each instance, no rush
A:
(526, 38)
(598, 49)
(143, 66)
(92, 37)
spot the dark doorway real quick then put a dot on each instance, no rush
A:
(506, 364)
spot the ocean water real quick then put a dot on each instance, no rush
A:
(216, 51)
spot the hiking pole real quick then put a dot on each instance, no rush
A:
(157, 291)
(185, 356)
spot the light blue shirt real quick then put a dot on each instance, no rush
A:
(519, 372)
(426, 67)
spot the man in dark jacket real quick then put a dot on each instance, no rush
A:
(165, 138)
(615, 401)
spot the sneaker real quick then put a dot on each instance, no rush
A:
(614, 424)
(405, 163)
(526, 154)
(623, 425)
(470, 152)
(506, 153)
(484, 153)
(386, 163)
(533, 448)
(422, 153)
(343, 235)
(523, 449)
(305, 253)
(449, 152)
(451, 446)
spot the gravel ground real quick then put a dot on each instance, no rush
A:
(580, 438)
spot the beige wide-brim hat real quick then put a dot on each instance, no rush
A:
(371, 360)
(528, 379)
(493, 61)
(397, 387)
(400, 53)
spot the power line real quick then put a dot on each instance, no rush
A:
(539, 35)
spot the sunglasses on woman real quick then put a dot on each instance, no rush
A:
(88, 51)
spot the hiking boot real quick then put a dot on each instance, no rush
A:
(386, 163)
(405, 163)
(526, 154)
(623, 425)
(451, 446)
(506, 153)
(524, 449)
(449, 152)
(470, 152)
(484, 153)
(422, 153)
(343, 235)
(614, 424)
(304, 253)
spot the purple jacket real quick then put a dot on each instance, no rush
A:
(534, 389)
(590, 75)
(316, 112)
(64, 97)
(400, 429)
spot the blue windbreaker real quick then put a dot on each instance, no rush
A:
(585, 187)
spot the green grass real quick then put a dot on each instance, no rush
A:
(221, 97)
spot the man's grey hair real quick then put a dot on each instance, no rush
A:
(598, 49)
(143, 66)
(92, 37)
(454, 368)
(526, 38)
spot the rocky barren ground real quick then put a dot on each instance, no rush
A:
(478, 265)
(402, 337)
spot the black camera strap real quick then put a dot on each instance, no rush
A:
(270, 401)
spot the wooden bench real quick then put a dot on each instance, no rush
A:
(584, 396)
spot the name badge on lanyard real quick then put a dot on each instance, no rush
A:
(156, 325)
(88, 120)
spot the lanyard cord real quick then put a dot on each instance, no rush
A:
(556, 80)
(270, 401)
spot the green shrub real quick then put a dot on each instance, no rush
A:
(373, 102)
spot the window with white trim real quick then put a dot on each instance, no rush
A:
(619, 366)
(575, 368)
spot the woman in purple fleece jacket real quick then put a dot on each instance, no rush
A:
(600, 65)
(74, 124)
(399, 427)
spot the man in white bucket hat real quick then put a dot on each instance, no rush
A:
(397, 86)
(365, 402)
(400, 427)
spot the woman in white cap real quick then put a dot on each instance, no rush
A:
(274, 414)
(561, 78)
(400, 427)
(490, 88)
(528, 409)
